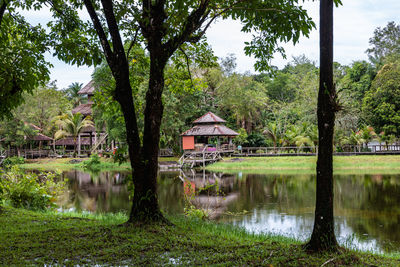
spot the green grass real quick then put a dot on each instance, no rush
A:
(64, 164)
(31, 238)
(306, 165)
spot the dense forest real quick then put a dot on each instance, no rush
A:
(268, 109)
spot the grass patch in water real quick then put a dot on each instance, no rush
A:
(32, 238)
(306, 165)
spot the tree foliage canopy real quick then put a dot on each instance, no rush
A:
(22, 63)
(385, 43)
(381, 104)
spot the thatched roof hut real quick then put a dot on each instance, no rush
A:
(88, 89)
(207, 126)
(85, 109)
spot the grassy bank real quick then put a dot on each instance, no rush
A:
(65, 164)
(306, 165)
(29, 238)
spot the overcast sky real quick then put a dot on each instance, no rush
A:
(355, 22)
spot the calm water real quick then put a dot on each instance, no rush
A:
(367, 210)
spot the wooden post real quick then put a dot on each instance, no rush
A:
(90, 143)
(95, 140)
(79, 145)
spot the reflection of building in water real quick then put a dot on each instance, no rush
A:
(210, 191)
(104, 192)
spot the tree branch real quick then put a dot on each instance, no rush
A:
(187, 64)
(100, 31)
(3, 10)
(193, 23)
(201, 34)
(133, 42)
(57, 9)
(113, 27)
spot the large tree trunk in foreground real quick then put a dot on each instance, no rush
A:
(323, 236)
(144, 158)
(145, 200)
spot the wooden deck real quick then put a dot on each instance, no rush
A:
(191, 159)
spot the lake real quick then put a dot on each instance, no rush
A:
(367, 210)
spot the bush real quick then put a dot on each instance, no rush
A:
(8, 162)
(193, 212)
(30, 190)
(255, 140)
(93, 164)
(120, 155)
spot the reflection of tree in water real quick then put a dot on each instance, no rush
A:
(371, 205)
(209, 191)
(288, 194)
(368, 204)
(104, 192)
(170, 192)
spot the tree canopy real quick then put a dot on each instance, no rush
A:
(381, 104)
(22, 63)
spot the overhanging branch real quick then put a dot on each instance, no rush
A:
(3, 8)
(187, 64)
(100, 31)
(133, 42)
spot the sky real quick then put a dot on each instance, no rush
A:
(354, 23)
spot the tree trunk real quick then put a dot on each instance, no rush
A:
(74, 155)
(323, 236)
(145, 200)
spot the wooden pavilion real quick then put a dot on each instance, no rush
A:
(37, 145)
(209, 130)
(89, 138)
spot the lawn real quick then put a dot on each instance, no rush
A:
(306, 165)
(32, 238)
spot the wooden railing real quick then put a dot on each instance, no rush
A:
(351, 149)
(275, 150)
(165, 152)
(193, 158)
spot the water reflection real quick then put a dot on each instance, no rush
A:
(367, 213)
(102, 192)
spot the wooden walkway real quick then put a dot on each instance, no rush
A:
(191, 159)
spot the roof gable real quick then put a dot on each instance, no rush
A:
(88, 89)
(210, 130)
(209, 117)
(84, 109)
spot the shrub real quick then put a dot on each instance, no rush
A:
(255, 140)
(93, 164)
(30, 190)
(193, 212)
(120, 155)
(13, 161)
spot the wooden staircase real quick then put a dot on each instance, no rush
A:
(99, 142)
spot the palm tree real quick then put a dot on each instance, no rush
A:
(72, 93)
(272, 132)
(71, 125)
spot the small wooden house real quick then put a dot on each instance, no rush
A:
(210, 130)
